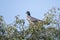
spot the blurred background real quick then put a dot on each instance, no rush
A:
(11, 8)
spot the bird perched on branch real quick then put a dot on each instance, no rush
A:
(33, 20)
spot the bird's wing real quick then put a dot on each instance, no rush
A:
(34, 19)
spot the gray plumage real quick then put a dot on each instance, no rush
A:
(32, 19)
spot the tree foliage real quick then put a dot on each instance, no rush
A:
(19, 31)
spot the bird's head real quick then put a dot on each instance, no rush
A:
(28, 13)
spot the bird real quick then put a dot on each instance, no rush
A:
(33, 20)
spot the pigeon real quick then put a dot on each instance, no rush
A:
(33, 20)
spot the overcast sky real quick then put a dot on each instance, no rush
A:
(11, 8)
